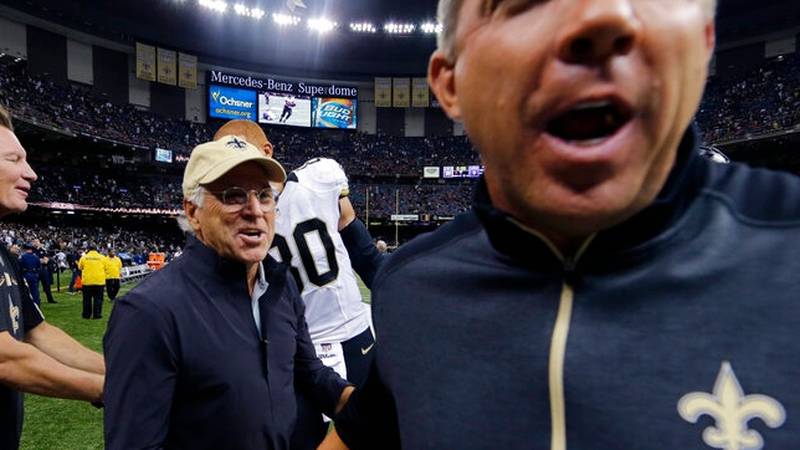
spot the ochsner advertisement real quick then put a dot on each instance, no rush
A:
(231, 103)
(334, 113)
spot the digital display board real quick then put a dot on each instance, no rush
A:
(330, 112)
(462, 171)
(231, 103)
(284, 109)
(163, 155)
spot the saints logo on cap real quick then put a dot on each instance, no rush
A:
(236, 144)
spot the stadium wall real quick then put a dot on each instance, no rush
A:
(79, 62)
(367, 120)
(169, 101)
(47, 54)
(437, 123)
(138, 90)
(414, 122)
(390, 121)
(196, 100)
(111, 74)
(13, 38)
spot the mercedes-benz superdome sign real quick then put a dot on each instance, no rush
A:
(280, 101)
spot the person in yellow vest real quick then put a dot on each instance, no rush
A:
(113, 266)
(93, 273)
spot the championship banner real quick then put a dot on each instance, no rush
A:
(187, 68)
(421, 93)
(166, 67)
(402, 92)
(383, 92)
(145, 62)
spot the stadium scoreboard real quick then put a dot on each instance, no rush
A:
(281, 102)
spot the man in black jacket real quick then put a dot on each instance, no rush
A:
(207, 352)
(35, 357)
(610, 288)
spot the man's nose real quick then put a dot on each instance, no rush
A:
(598, 31)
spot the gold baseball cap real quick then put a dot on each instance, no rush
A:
(209, 161)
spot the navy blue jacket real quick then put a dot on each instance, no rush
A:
(676, 329)
(188, 369)
(30, 265)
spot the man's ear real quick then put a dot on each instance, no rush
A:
(441, 78)
(711, 38)
(268, 149)
(190, 209)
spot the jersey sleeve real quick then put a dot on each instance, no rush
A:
(31, 314)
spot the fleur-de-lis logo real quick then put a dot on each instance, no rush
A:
(732, 410)
(13, 314)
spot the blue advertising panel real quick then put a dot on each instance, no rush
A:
(334, 113)
(231, 103)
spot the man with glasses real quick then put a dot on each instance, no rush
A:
(207, 352)
(317, 233)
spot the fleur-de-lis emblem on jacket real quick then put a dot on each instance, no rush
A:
(732, 411)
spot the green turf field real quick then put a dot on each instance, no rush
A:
(64, 424)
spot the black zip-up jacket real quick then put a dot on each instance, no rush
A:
(674, 330)
(188, 369)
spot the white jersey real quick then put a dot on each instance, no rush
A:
(307, 235)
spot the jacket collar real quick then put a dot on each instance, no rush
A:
(532, 249)
(205, 261)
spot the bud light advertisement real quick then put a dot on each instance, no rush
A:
(231, 103)
(334, 113)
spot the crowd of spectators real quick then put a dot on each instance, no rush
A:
(132, 245)
(84, 187)
(110, 190)
(432, 199)
(764, 100)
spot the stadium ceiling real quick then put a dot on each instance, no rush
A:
(247, 34)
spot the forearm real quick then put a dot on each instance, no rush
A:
(364, 256)
(344, 397)
(59, 345)
(27, 369)
(332, 442)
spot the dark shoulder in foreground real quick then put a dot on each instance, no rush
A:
(161, 287)
(757, 196)
(429, 243)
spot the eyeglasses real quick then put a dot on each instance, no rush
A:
(236, 198)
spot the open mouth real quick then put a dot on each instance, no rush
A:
(590, 122)
(255, 234)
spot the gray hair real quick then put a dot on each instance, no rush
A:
(197, 198)
(447, 14)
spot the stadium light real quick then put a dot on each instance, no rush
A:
(431, 28)
(242, 10)
(214, 5)
(285, 20)
(363, 27)
(399, 28)
(321, 25)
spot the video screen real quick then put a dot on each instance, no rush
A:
(462, 171)
(284, 109)
(334, 112)
(163, 155)
(231, 103)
